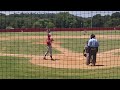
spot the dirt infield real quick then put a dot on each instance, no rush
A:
(68, 59)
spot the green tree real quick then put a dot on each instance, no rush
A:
(115, 15)
(107, 20)
(97, 21)
(65, 20)
(87, 23)
(9, 27)
(114, 22)
(50, 25)
(37, 25)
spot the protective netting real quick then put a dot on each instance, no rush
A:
(53, 44)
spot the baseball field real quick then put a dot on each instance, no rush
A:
(21, 55)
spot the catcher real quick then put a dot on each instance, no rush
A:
(49, 46)
(85, 51)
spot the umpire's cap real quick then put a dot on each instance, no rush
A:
(92, 36)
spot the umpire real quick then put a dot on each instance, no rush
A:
(93, 45)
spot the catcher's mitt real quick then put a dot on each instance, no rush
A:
(85, 55)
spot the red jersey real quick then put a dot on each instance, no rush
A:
(49, 41)
(49, 35)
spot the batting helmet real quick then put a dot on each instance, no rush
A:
(48, 30)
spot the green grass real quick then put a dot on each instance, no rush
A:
(77, 45)
(79, 33)
(21, 68)
(24, 47)
(61, 33)
(22, 34)
(106, 45)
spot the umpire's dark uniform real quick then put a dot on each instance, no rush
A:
(92, 50)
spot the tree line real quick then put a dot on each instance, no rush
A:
(58, 20)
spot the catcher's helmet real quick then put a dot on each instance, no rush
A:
(92, 36)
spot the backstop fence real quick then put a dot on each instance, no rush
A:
(59, 44)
